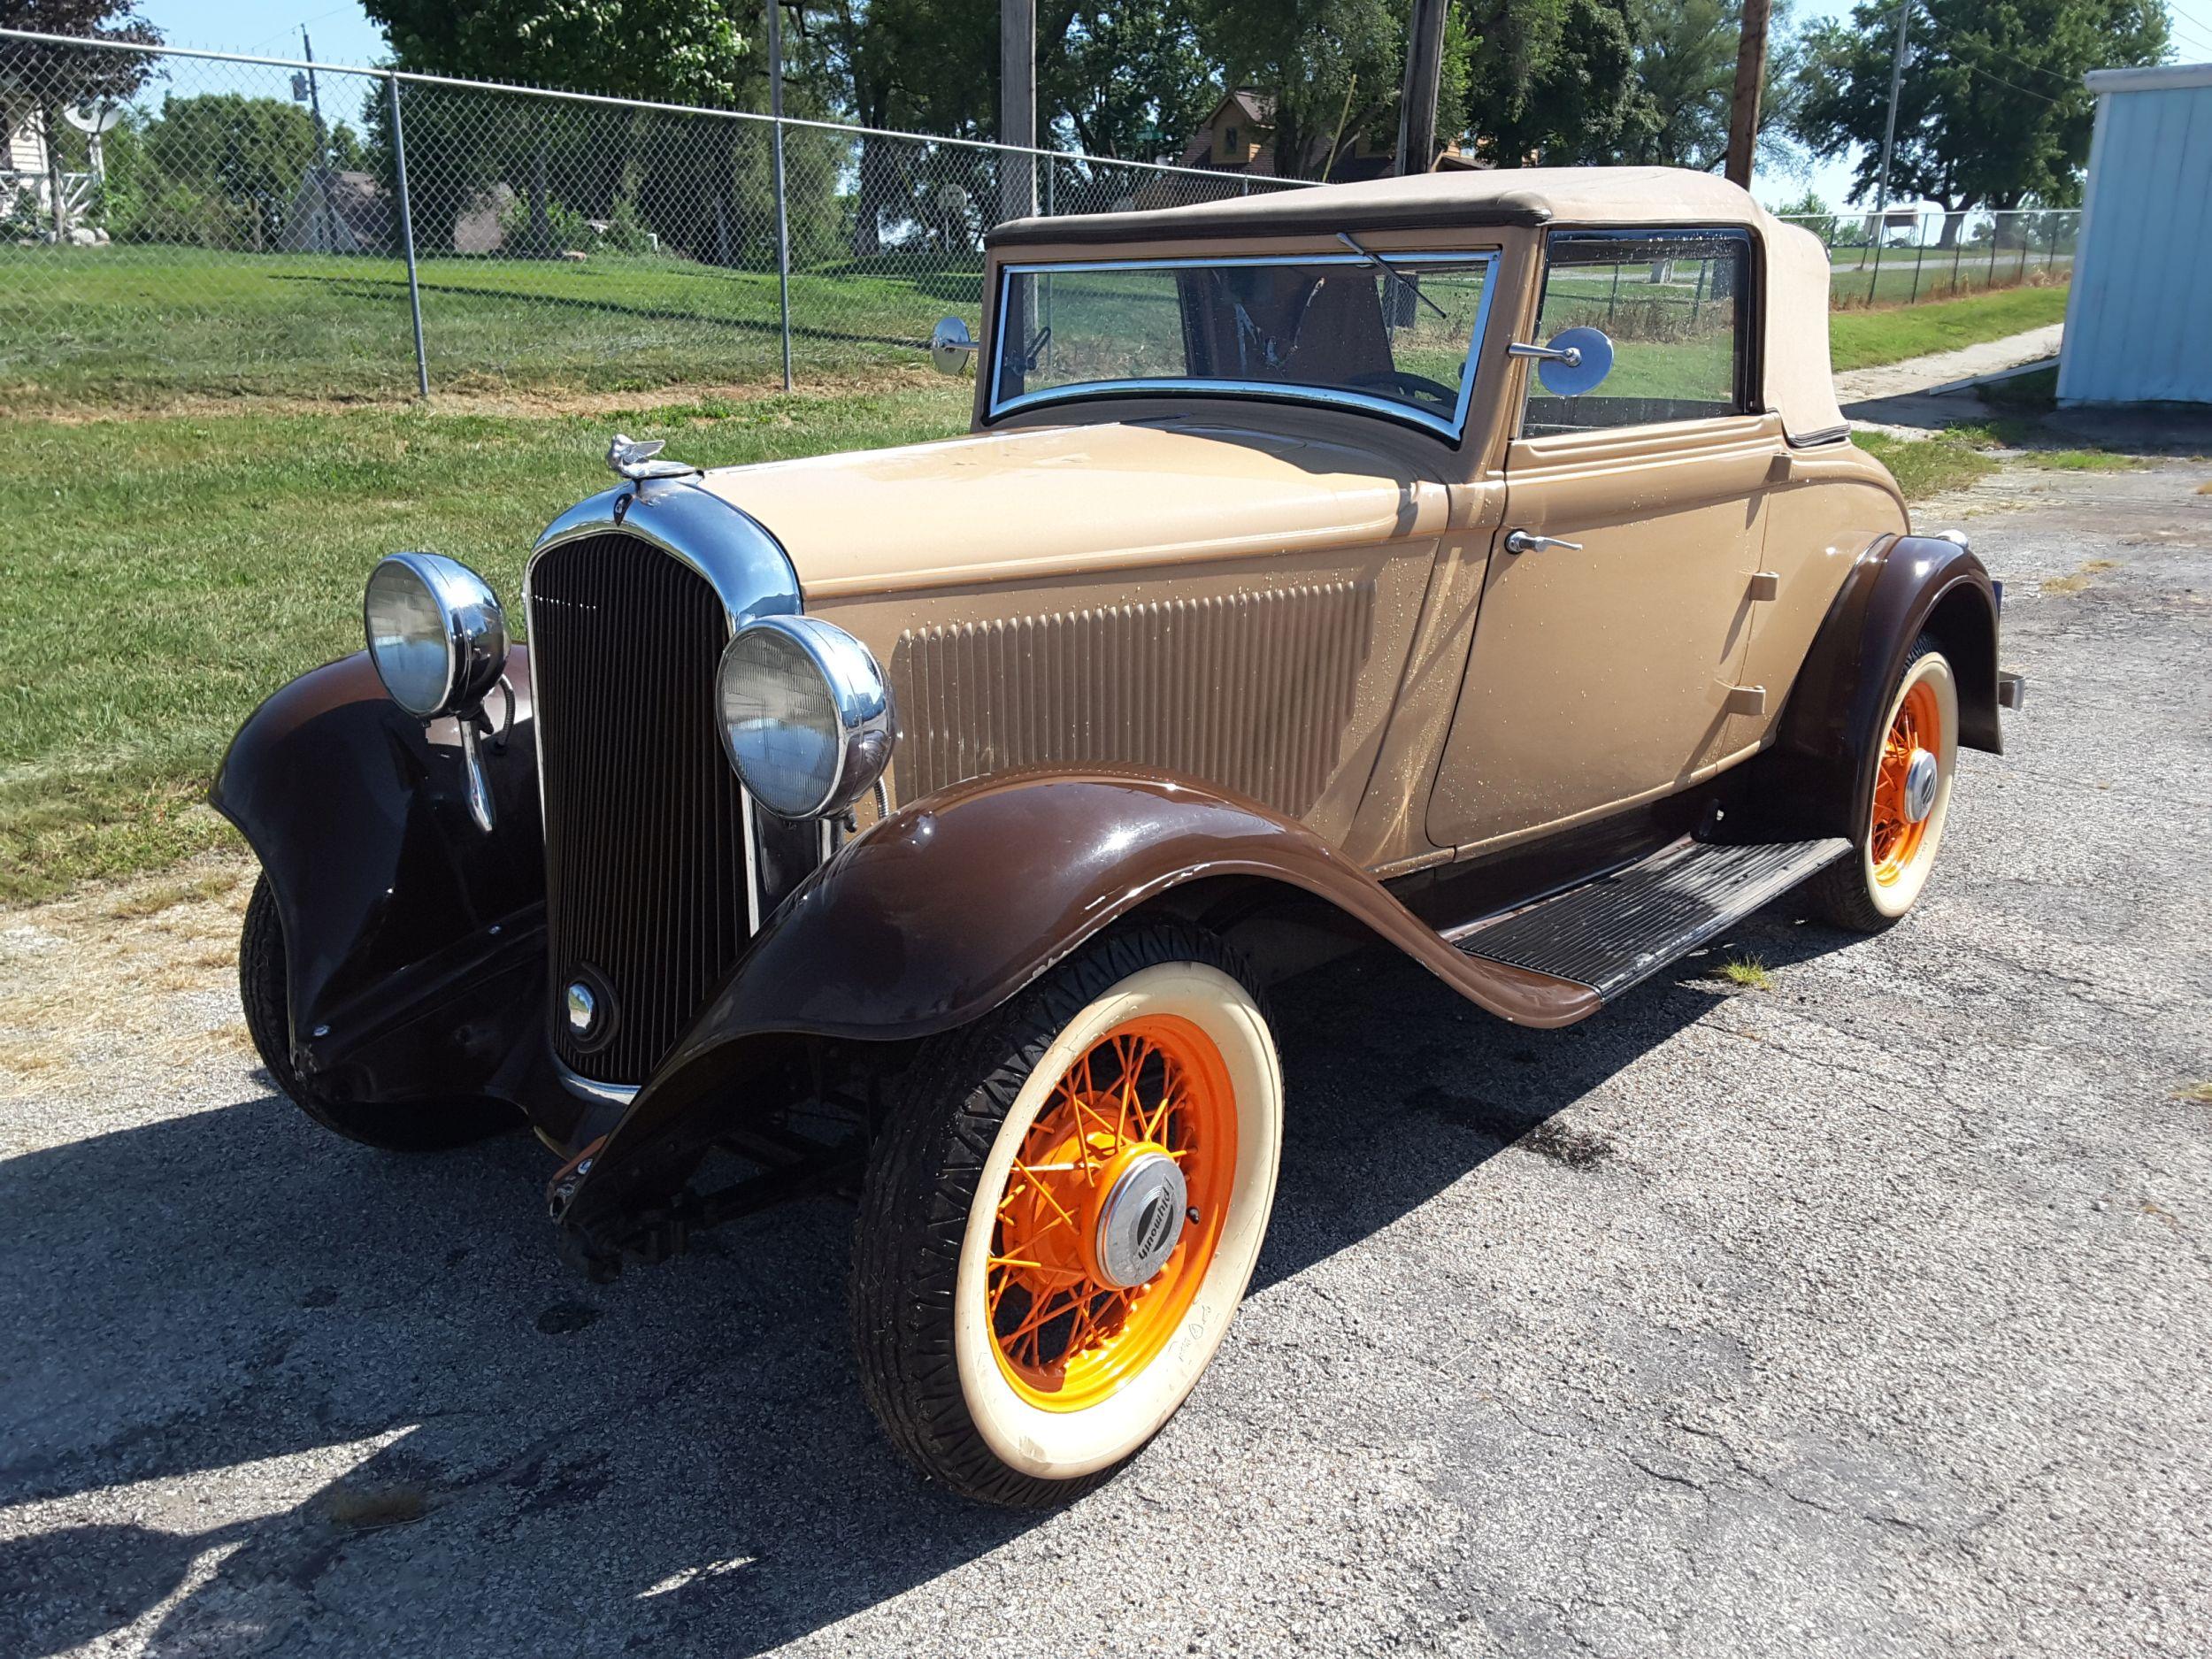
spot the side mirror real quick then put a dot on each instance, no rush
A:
(950, 347)
(1577, 360)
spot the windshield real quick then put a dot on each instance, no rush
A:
(1332, 328)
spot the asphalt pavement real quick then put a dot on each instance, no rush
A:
(1867, 1313)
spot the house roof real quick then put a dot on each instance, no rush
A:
(1246, 105)
(1429, 200)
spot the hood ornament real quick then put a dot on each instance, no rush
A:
(634, 459)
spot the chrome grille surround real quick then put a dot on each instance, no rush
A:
(650, 844)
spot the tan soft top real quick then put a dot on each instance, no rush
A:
(1428, 200)
(1798, 384)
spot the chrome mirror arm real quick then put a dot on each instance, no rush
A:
(1571, 356)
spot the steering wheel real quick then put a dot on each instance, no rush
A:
(1417, 385)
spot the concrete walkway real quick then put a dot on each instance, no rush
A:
(1922, 374)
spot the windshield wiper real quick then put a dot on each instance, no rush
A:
(1390, 271)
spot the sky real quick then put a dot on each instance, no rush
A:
(342, 34)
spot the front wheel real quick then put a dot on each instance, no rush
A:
(265, 989)
(1910, 795)
(1062, 1215)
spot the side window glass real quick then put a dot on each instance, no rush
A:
(1672, 303)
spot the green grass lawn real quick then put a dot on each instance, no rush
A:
(164, 575)
(1865, 339)
(133, 327)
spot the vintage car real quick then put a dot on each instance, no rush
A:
(1477, 562)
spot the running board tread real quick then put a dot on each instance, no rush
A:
(1613, 933)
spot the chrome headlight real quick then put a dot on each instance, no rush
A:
(805, 715)
(436, 633)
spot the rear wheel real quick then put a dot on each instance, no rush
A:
(1062, 1215)
(1896, 848)
(264, 986)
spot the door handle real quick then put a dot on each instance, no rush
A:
(1522, 541)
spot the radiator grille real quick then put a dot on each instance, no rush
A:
(1252, 691)
(644, 820)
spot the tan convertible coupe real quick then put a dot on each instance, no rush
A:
(1477, 562)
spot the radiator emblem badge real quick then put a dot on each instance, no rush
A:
(583, 1009)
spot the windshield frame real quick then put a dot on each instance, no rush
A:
(1453, 429)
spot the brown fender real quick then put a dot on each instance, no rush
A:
(940, 913)
(414, 942)
(1815, 779)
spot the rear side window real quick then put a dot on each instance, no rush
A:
(1675, 306)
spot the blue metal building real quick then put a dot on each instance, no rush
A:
(2139, 326)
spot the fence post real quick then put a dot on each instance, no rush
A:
(407, 238)
(783, 221)
(1920, 258)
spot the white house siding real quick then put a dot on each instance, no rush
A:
(2137, 326)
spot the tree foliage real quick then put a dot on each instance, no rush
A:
(1551, 81)
(1128, 80)
(56, 76)
(1992, 113)
(675, 51)
(1685, 75)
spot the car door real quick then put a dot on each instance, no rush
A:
(1606, 655)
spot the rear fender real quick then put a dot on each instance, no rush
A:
(951, 906)
(1815, 779)
(414, 941)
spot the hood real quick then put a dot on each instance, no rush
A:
(1043, 501)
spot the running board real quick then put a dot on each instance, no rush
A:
(1612, 932)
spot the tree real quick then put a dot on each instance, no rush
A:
(1127, 81)
(1991, 113)
(248, 153)
(67, 75)
(1334, 68)
(675, 51)
(50, 78)
(1685, 66)
(1552, 80)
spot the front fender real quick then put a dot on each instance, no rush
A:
(942, 911)
(414, 942)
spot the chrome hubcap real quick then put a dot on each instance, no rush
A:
(1921, 776)
(1141, 1221)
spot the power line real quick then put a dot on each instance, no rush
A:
(2007, 86)
(1984, 46)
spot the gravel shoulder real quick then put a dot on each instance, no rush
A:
(1863, 1314)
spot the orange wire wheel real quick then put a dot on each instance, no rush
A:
(1062, 1213)
(1904, 783)
(1910, 797)
(1112, 1212)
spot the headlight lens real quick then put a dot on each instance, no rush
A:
(436, 633)
(805, 715)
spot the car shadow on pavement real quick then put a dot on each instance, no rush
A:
(204, 1315)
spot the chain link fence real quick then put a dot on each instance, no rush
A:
(191, 224)
(177, 223)
(1915, 257)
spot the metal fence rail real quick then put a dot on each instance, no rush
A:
(183, 223)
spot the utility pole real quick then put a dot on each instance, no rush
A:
(1417, 104)
(1751, 74)
(1889, 133)
(783, 215)
(322, 146)
(1017, 108)
(314, 93)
